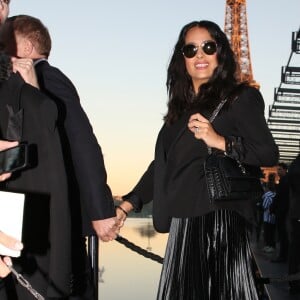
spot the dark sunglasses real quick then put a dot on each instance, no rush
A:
(208, 47)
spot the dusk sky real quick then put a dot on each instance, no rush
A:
(117, 52)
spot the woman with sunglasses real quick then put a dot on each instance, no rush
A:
(208, 253)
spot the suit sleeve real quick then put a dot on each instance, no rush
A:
(86, 152)
(143, 191)
(250, 125)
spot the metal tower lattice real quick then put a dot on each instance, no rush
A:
(236, 29)
(284, 113)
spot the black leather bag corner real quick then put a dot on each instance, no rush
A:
(228, 179)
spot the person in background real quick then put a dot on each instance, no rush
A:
(259, 213)
(280, 207)
(269, 218)
(294, 222)
(208, 254)
(26, 37)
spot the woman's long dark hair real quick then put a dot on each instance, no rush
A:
(179, 83)
(5, 66)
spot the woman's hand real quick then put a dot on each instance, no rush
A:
(122, 211)
(203, 130)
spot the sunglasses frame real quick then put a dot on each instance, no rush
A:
(196, 48)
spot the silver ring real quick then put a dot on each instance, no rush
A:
(197, 129)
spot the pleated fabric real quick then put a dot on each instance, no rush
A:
(208, 257)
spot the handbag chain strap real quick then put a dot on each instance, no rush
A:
(22, 281)
(213, 116)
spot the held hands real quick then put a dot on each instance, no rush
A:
(108, 229)
(203, 130)
(26, 69)
(11, 243)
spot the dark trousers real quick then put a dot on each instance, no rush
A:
(294, 251)
(269, 234)
(282, 237)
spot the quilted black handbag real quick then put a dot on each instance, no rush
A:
(229, 179)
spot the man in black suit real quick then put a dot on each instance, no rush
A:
(82, 153)
(75, 129)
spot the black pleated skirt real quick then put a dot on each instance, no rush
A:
(208, 257)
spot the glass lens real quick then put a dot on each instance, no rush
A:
(209, 47)
(189, 50)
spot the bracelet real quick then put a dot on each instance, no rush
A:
(228, 146)
(122, 209)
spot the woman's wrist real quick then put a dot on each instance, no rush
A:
(122, 209)
(220, 144)
(125, 206)
(228, 146)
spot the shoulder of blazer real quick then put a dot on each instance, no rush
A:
(249, 96)
(48, 74)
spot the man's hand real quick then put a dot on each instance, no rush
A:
(25, 67)
(107, 229)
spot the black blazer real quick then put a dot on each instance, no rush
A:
(29, 116)
(84, 160)
(175, 179)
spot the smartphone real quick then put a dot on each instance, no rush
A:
(14, 159)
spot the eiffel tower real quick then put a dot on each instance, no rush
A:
(236, 29)
(284, 113)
